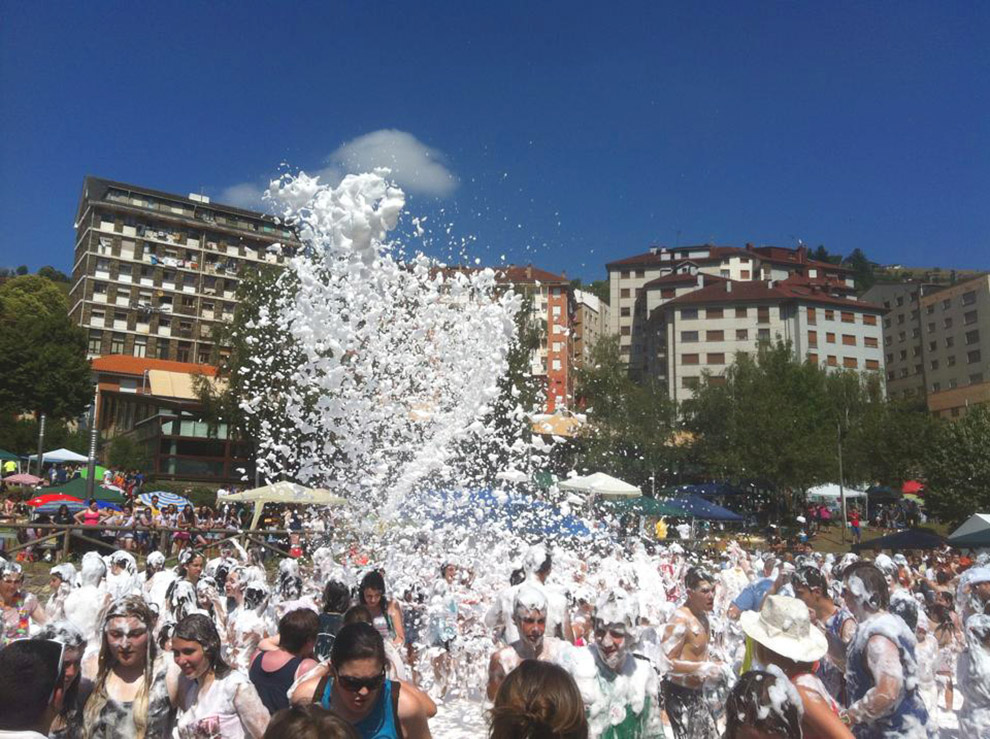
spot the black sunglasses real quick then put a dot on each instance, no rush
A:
(354, 684)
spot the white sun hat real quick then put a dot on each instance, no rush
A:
(783, 626)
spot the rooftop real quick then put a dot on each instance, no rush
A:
(122, 364)
(761, 291)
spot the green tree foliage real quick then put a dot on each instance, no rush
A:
(598, 288)
(55, 275)
(125, 453)
(862, 270)
(957, 467)
(43, 366)
(20, 436)
(630, 426)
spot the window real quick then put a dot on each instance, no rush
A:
(624, 274)
(812, 317)
(870, 341)
(812, 338)
(934, 364)
(869, 320)
(742, 312)
(140, 346)
(917, 369)
(625, 311)
(872, 364)
(744, 274)
(624, 292)
(900, 300)
(969, 317)
(763, 314)
(890, 359)
(689, 358)
(916, 351)
(931, 327)
(690, 382)
(900, 319)
(716, 358)
(973, 337)
(832, 361)
(117, 344)
(848, 340)
(969, 298)
(829, 337)
(640, 273)
(947, 323)
(689, 314)
(886, 323)
(951, 361)
(812, 358)
(668, 292)
(947, 303)
(936, 386)
(829, 315)
(724, 273)
(901, 336)
(717, 313)
(556, 365)
(915, 333)
(848, 317)
(95, 342)
(973, 356)
(689, 336)
(903, 354)
(886, 304)
(850, 362)
(932, 346)
(625, 330)
(763, 334)
(624, 349)
(163, 350)
(950, 341)
(715, 336)
(976, 378)
(742, 334)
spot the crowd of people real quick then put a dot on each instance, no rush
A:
(637, 643)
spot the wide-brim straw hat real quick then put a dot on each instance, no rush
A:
(783, 626)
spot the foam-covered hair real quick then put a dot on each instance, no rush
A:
(64, 632)
(616, 607)
(529, 598)
(155, 560)
(66, 572)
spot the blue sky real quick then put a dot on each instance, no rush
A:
(562, 134)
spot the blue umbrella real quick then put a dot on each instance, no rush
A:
(165, 498)
(52, 508)
(108, 505)
(698, 507)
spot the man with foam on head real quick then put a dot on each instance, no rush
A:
(529, 614)
(619, 690)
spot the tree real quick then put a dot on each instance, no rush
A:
(598, 288)
(124, 453)
(50, 273)
(957, 467)
(22, 270)
(862, 270)
(43, 366)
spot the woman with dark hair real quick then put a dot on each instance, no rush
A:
(213, 700)
(355, 687)
(308, 722)
(130, 698)
(385, 614)
(538, 699)
(68, 721)
(763, 705)
(336, 601)
(191, 563)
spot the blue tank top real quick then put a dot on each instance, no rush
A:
(910, 711)
(383, 720)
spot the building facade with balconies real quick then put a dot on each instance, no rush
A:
(154, 274)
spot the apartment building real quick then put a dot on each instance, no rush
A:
(629, 276)
(902, 335)
(955, 329)
(711, 322)
(155, 273)
(591, 322)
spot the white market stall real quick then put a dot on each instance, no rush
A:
(60, 456)
(974, 532)
(830, 493)
(281, 492)
(601, 485)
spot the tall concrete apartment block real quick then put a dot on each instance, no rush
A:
(628, 277)
(155, 273)
(902, 335)
(591, 322)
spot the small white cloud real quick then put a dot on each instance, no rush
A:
(244, 195)
(416, 167)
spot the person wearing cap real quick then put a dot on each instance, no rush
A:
(784, 636)
(881, 669)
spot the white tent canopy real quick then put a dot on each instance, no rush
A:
(59, 456)
(975, 524)
(830, 492)
(281, 492)
(602, 485)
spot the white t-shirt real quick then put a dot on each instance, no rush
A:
(217, 711)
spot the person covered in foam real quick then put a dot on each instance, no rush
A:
(973, 678)
(61, 583)
(529, 613)
(619, 691)
(85, 605)
(881, 671)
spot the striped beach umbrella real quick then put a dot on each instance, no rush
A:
(164, 498)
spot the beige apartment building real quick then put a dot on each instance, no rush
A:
(712, 322)
(155, 273)
(591, 322)
(628, 277)
(956, 346)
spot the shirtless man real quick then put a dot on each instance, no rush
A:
(530, 617)
(537, 564)
(685, 646)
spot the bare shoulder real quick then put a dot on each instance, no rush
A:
(410, 703)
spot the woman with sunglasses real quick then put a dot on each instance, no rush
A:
(20, 608)
(355, 688)
(213, 699)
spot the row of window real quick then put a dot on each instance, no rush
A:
(742, 334)
(847, 362)
(844, 316)
(974, 379)
(847, 339)
(160, 349)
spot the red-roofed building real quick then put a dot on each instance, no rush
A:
(629, 277)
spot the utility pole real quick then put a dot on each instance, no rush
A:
(842, 489)
(93, 434)
(41, 443)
